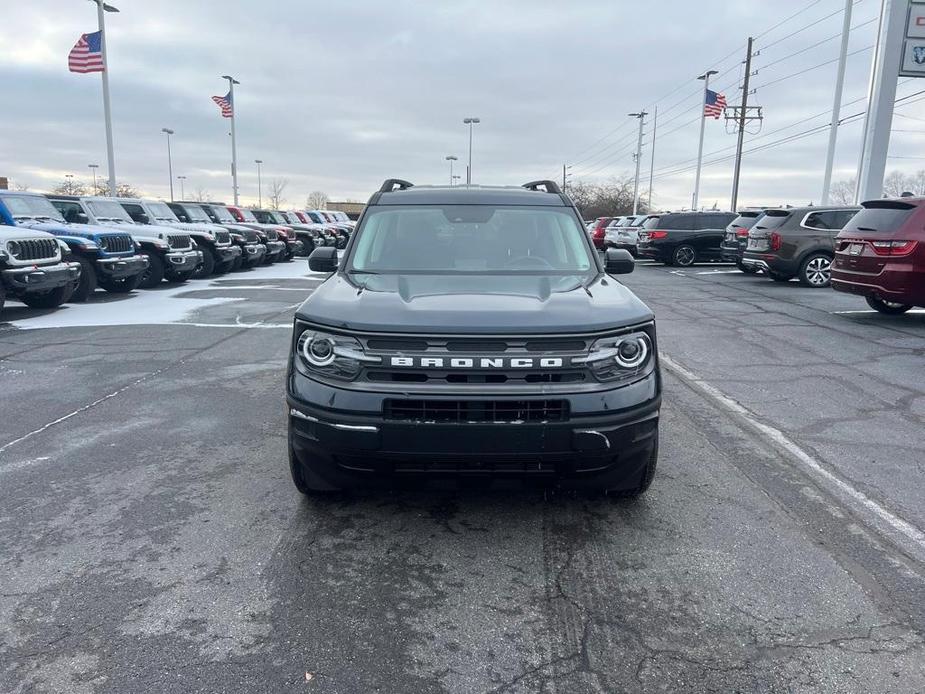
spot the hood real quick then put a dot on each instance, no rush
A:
(473, 304)
(87, 231)
(144, 231)
(8, 233)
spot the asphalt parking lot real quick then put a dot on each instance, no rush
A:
(152, 540)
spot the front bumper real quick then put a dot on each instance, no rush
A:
(602, 449)
(183, 261)
(120, 268)
(227, 253)
(276, 248)
(253, 253)
(38, 278)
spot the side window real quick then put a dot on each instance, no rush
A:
(68, 210)
(181, 213)
(134, 211)
(699, 221)
(822, 220)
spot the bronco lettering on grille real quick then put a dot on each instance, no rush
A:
(478, 362)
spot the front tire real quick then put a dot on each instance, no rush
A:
(154, 275)
(53, 298)
(890, 308)
(645, 480)
(207, 266)
(816, 271)
(123, 286)
(684, 256)
(86, 285)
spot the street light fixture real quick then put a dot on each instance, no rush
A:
(451, 158)
(456, 177)
(181, 179)
(470, 122)
(169, 132)
(258, 162)
(234, 147)
(93, 168)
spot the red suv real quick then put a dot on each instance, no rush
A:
(597, 231)
(880, 254)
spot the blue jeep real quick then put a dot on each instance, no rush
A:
(107, 258)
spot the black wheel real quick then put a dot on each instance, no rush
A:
(779, 277)
(86, 285)
(180, 277)
(890, 308)
(207, 266)
(684, 256)
(645, 481)
(747, 269)
(154, 275)
(123, 286)
(816, 271)
(223, 267)
(48, 299)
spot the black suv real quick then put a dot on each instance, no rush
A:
(797, 242)
(736, 239)
(472, 333)
(684, 238)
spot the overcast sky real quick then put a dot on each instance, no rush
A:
(337, 96)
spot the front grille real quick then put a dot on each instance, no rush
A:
(222, 237)
(476, 411)
(272, 235)
(37, 249)
(117, 244)
(178, 241)
(250, 236)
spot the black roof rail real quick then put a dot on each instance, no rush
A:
(392, 183)
(550, 186)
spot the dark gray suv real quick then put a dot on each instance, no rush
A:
(797, 242)
(684, 238)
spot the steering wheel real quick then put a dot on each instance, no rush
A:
(530, 259)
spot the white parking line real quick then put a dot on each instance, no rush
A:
(845, 313)
(824, 477)
(720, 272)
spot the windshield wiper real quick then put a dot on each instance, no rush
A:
(363, 272)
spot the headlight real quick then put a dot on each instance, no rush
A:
(162, 245)
(621, 357)
(327, 354)
(14, 248)
(88, 245)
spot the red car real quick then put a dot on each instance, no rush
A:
(880, 254)
(597, 231)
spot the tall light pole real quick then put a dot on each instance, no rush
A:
(169, 132)
(641, 115)
(93, 168)
(182, 194)
(456, 177)
(836, 103)
(258, 162)
(703, 119)
(234, 147)
(652, 161)
(470, 122)
(450, 158)
(101, 8)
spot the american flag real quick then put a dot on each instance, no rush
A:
(225, 104)
(87, 54)
(715, 104)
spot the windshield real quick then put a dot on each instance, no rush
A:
(161, 211)
(247, 214)
(472, 239)
(315, 217)
(22, 206)
(277, 217)
(109, 210)
(222, 213)
(196, 214)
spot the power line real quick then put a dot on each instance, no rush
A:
(803, 28)
(810, 69)
(784, 21)
(815, 45)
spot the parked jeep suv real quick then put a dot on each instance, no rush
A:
(796, 242)
(684, 238)
(880, 254)
(473, 333)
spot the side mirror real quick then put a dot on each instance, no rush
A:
(618, 261)
(323, 260)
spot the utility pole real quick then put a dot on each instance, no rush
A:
(836, 105)
(565, 175)
(703, 119)
(169, 132)
(740, 115)
(641, 115)
(234, 147)
(652, 160)
(451, 158)
(888, 56)
(93, 168)
(182, 193)
(101, 8)
(258, 162)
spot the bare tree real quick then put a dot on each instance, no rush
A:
(123, 190)
(917, 182)
(202, 195)
(842, 192)
(613, 198)
(21, 187)
(895, 184)
(70, 186)
(277, 188)
(317, 200)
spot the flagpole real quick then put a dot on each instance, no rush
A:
(703, 119)
(101, 8)
(234, 147)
